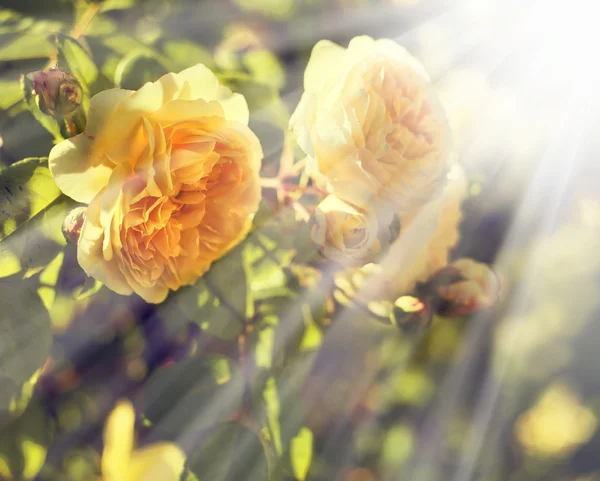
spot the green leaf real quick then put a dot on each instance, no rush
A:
(12, 93)
(77, 61)
(273, 410)
(26, 188)
(24, 443)
(230, 452)
(277, 9)
(267, 278)
(279, 403)
(108, 5)
(192, 395)
(9, 16)
(9, 390)
(221, 301)
(137, 68)
(265, 67)
(46, 121)
(227, 280)
(200, 305)
(26, 47)
(100, 26)
(184, 53)
(36, 243)
(125, 44)
(25, 325)
(263, 99)
(301, 451)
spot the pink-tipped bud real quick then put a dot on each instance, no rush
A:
(411, 314)
(73, 223)
(463, 288)
(58, 93)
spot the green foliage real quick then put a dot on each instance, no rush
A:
(46, 121)
(137, 68)
(25, 324)
(220, 302)
(192, 395)
(11, 94)
(77, 60)
(230, 451)
(24, 443)
(25, 46)
(183, 53)
(278, 9)
(26, 188)
(301, 453)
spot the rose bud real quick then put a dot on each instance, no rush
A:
(344, 233)
(73, 223)
(411, 314)
(58, 93)
(462, 288)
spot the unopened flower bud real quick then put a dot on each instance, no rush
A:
(57, 92)
(462, 288)
(73, 223)
(411, 314)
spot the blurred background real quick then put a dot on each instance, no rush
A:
(509, 394)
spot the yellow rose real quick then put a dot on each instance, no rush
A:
(121, 462)
(423, 246)
(343, 233)
(170, 173)
(371, 125)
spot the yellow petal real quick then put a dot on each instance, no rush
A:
(90, 251)
(179, 111)
(118, 441)
(398, 52)
(362, 43)
(76, 171)
(325, 55)
(157, 462)
(154, 294)
(203, 84)
(236, 108)
(103, 106)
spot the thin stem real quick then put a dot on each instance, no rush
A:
(270, 183)
(301, 210)
(85, 20)
(70, 123)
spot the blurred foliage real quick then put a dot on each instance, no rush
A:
(268, 368)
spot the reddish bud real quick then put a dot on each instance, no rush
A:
(58, 93)
(411, 314)
(462, 288)
(73, 223)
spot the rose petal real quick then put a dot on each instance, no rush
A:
(324, 54)
(103, 106)
(76, 171)
(90, 251)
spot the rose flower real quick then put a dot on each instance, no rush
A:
(371, 126)
(422, 248)
(171, 176)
